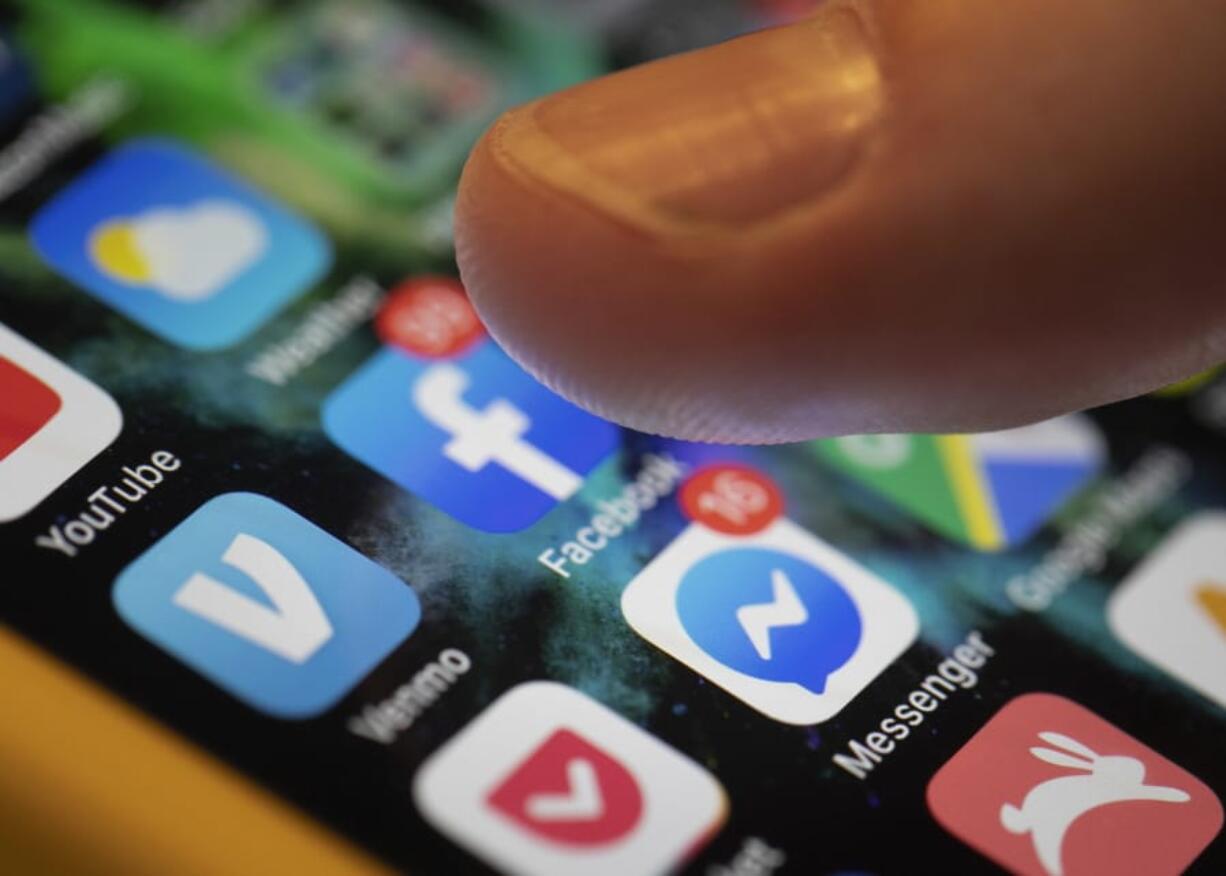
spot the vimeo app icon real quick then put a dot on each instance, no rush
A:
(780, 620)
(265, 604)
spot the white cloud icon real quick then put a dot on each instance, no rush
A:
(185, 253)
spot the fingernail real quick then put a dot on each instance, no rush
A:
(730, 137)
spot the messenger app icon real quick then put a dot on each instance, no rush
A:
(780, 620)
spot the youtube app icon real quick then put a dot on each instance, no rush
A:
(52, 422)
(547, 781)
(29, 405)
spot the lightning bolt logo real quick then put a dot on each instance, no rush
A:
(784, 610)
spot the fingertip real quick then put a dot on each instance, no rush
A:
(624, 252)
(949, 247)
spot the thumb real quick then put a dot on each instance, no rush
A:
(941, 216)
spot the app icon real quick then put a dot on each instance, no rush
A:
(780, 620)
(476, 436)
(988, 491)
(52, 422)
(178, 245)
(569, 791)
(266, 605)
(1172, 609)
(1048, 788)
(547, 782)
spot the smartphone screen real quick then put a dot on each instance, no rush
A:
(264, 476)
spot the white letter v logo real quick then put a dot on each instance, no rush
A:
(295, 629)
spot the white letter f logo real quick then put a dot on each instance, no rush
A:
(494, 434)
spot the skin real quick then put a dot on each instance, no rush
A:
(949, 215)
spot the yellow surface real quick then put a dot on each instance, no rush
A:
(90, 785)
(115, 251)
(971, 492)
(1212, 599)
(1193, 383)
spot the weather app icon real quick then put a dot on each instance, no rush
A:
(780, 619)
(154, 248)
(178, 245)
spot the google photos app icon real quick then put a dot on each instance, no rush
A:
(988, 491)
(179, 245)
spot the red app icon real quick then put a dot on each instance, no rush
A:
(569, 791)
(26, 405)
(548, 782)
(1047, 788)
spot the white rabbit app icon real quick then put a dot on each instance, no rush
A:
(1051, 807)
(1048, 788)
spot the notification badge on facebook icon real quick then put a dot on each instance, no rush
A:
(779, 619)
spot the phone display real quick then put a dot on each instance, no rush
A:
(265, 477)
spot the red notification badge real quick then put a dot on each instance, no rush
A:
(732, 499)
(429, 317)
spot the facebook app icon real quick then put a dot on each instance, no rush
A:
(476, 436)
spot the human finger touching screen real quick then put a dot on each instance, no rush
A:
(892, 216)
